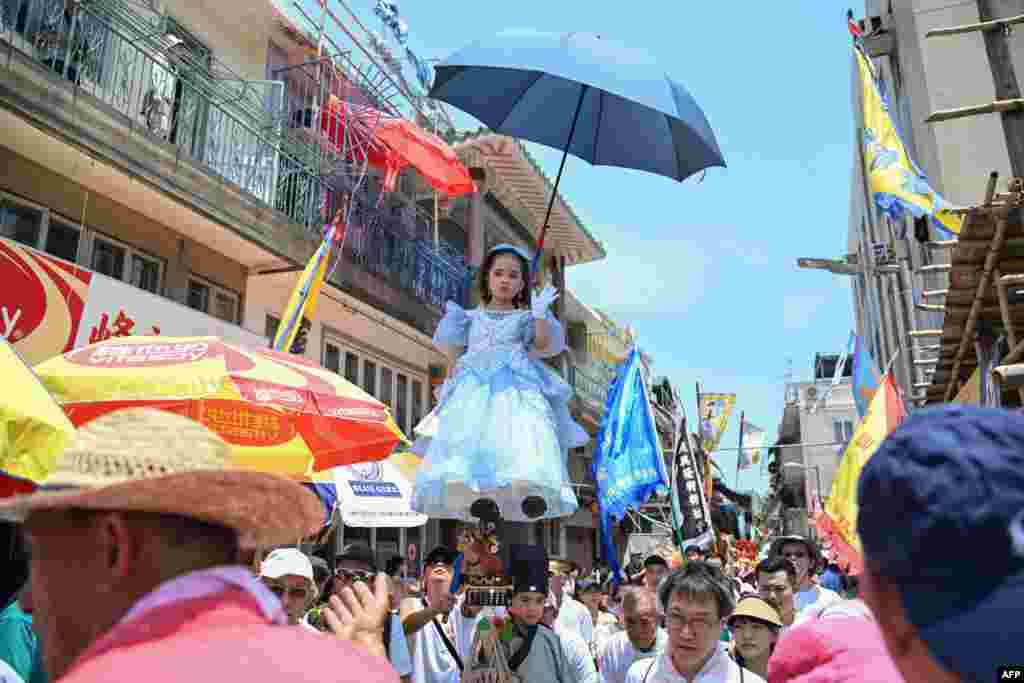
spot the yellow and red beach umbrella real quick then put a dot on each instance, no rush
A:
(279, 412)
(33, 430)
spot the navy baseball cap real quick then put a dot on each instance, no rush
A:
(947, 479)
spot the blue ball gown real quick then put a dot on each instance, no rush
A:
(502, 428)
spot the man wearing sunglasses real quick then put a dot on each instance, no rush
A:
(288, 573)
(356, 563)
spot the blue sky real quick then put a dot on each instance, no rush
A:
(705, 271)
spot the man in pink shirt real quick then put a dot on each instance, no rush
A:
(135, 546)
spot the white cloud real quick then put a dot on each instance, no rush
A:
(640, 276)
(798, 309)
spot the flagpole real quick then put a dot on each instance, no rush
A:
(739, 451)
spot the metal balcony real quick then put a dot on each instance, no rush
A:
(144, 67)
(395, 243)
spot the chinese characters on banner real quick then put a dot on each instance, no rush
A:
(121, 327)
(696, 522)
(715, 411)
(53, 306)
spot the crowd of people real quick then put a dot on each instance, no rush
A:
(148, 558)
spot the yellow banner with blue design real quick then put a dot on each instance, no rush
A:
(896, 184)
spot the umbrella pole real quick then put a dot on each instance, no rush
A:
(554, 190)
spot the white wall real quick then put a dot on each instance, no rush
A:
(237, 31)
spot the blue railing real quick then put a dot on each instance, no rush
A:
(378, 243)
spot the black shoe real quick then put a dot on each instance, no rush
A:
(534, 506)
(486, 509)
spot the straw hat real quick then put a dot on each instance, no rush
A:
(754, 607)
(145, 460)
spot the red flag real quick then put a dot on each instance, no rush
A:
(853, 26)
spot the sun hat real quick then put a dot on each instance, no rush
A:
(812, 549)
(754, 607)
(286, 562)
(947, 477)
(146, 460)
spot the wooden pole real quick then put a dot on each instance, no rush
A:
(997, 45)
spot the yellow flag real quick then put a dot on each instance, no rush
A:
(839, 521)
(896, 184)
(715, 411)
(302, 303)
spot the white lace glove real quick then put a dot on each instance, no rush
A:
(542, 302)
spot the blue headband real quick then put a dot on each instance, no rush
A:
(509, 248)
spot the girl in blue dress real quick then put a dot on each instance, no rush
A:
(497, 443)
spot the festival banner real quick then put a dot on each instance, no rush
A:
(898, 187)
(628, 463)
(866, 377)
(752, 441)
(838, 522)
(696, 527)
(52, 306)
(715, 411)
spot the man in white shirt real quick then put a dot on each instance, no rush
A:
(572, 615)
(642, 639)
(698, 599)
(804, 555)
(577, 652)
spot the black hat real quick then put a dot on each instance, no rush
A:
(586, 586)
(693, 549)
(357, 552)
(528, 567)
(655, 559)
(440, 555)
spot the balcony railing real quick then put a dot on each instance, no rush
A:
(394, 246)
(145, 68)
(140, 65)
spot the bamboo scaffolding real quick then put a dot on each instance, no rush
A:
(995, 247)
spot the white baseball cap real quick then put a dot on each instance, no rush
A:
(286, 562)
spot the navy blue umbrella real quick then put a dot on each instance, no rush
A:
(607, 104)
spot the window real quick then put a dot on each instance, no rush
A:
(386, 383)
(332, 358)
(842, 431)
(417, 402)
(198, 295)
(62, 240)
(214, 300)
(370, 377)
(401, 389)
(108, 258)
(145, 272)
(225, 306)
(122, 262)
(20, 223)
(352, 367)
(270, 328)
